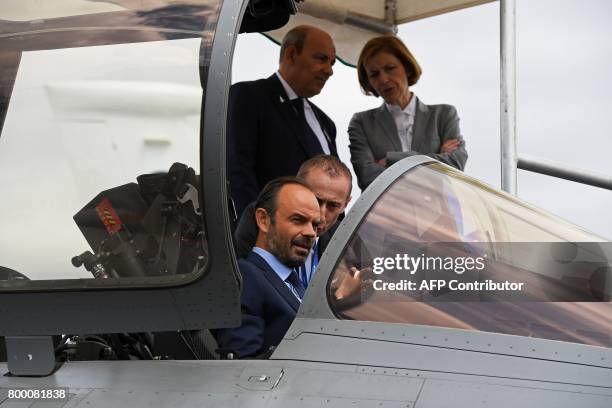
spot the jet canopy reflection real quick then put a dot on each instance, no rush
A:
(442, 249)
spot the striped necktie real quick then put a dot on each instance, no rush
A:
(296, 282)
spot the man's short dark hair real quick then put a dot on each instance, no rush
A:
(296, 37)
(268, 197)
(331, 165)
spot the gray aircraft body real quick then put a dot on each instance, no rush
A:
(470, 296)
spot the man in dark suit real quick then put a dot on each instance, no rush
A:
(287, 216)
(272, 128)
(331, 181)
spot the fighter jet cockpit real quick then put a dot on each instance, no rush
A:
(107, 145)
(117, 218)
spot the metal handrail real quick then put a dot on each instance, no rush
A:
(543, 166)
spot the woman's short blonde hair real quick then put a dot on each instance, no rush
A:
(394, 46)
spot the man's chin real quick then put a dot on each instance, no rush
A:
(299, 256)
(295, 262)
(314, 91)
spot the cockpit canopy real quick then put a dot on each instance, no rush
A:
(438, 248)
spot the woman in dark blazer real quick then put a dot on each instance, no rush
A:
(403, 125)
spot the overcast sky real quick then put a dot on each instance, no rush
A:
(564, 112)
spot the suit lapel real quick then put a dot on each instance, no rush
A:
(274, 280)
(293, 119)
(421, 118)
(325, 239)
(384, 121)
(322, 244)
(281, 101)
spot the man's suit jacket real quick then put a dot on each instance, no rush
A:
(267, 137)
(268, 308)
(373, 136)
(246, 234)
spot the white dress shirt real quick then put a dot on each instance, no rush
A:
(311, 118)
(404, 121)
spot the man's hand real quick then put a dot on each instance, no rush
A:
(449, 146)
(353, 283)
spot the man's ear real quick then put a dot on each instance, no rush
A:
(346, 203)
(262, 219)
(290, 53)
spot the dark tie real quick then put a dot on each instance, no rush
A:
(311, 138)
(298, 106)
(297, 284)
